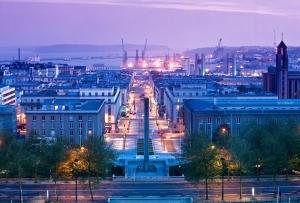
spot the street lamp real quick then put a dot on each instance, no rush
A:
(257, 167)
(75, 172)
(223, 130)
(223, 169)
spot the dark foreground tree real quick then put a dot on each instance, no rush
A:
(99, 159)
(240, 154)
(271, 147)
(93, 159)
(201, 159)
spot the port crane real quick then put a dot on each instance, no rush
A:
(125, 57)
(144, 50)
(218, 52)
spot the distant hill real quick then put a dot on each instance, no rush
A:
(96, 48)
(228, 49)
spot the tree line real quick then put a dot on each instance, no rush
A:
(35, 158)
(270, 148)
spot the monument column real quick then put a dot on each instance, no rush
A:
(146, 133)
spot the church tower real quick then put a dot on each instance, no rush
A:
(282, 71)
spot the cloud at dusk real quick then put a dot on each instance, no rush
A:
(176, 23)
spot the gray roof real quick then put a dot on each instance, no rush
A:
(67, 105)
(243, 104)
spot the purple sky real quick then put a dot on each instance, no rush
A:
(180, 24)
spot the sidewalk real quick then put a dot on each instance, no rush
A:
(164, 178)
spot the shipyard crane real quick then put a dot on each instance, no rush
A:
(219, 43)
(218, 52)
(144, 50)
(125, 57)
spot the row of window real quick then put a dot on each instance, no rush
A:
(208, 130)
(61, 132)
(190, 94)
(219, 120)
(96, 94)
(52, 118)
(52, 124)
(237, 120)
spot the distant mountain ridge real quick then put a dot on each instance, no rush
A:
(96, 48)
(228, 49)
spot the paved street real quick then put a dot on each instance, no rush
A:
(165, 143)
(142, 188)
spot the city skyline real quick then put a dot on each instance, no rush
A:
(55, 22)
(150, 101)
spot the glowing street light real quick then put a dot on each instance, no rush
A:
(253, 192)
(83, 149)
(224, 130)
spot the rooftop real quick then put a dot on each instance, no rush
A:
(67, 105)
(242, 104)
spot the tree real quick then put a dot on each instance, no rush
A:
(92, 159)
(201, 159)
(273, 148)
(289, 137)
(253, 134)
(222, 136)
(239, 150)
(51, 155)
(22, 164)
(98, 157)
